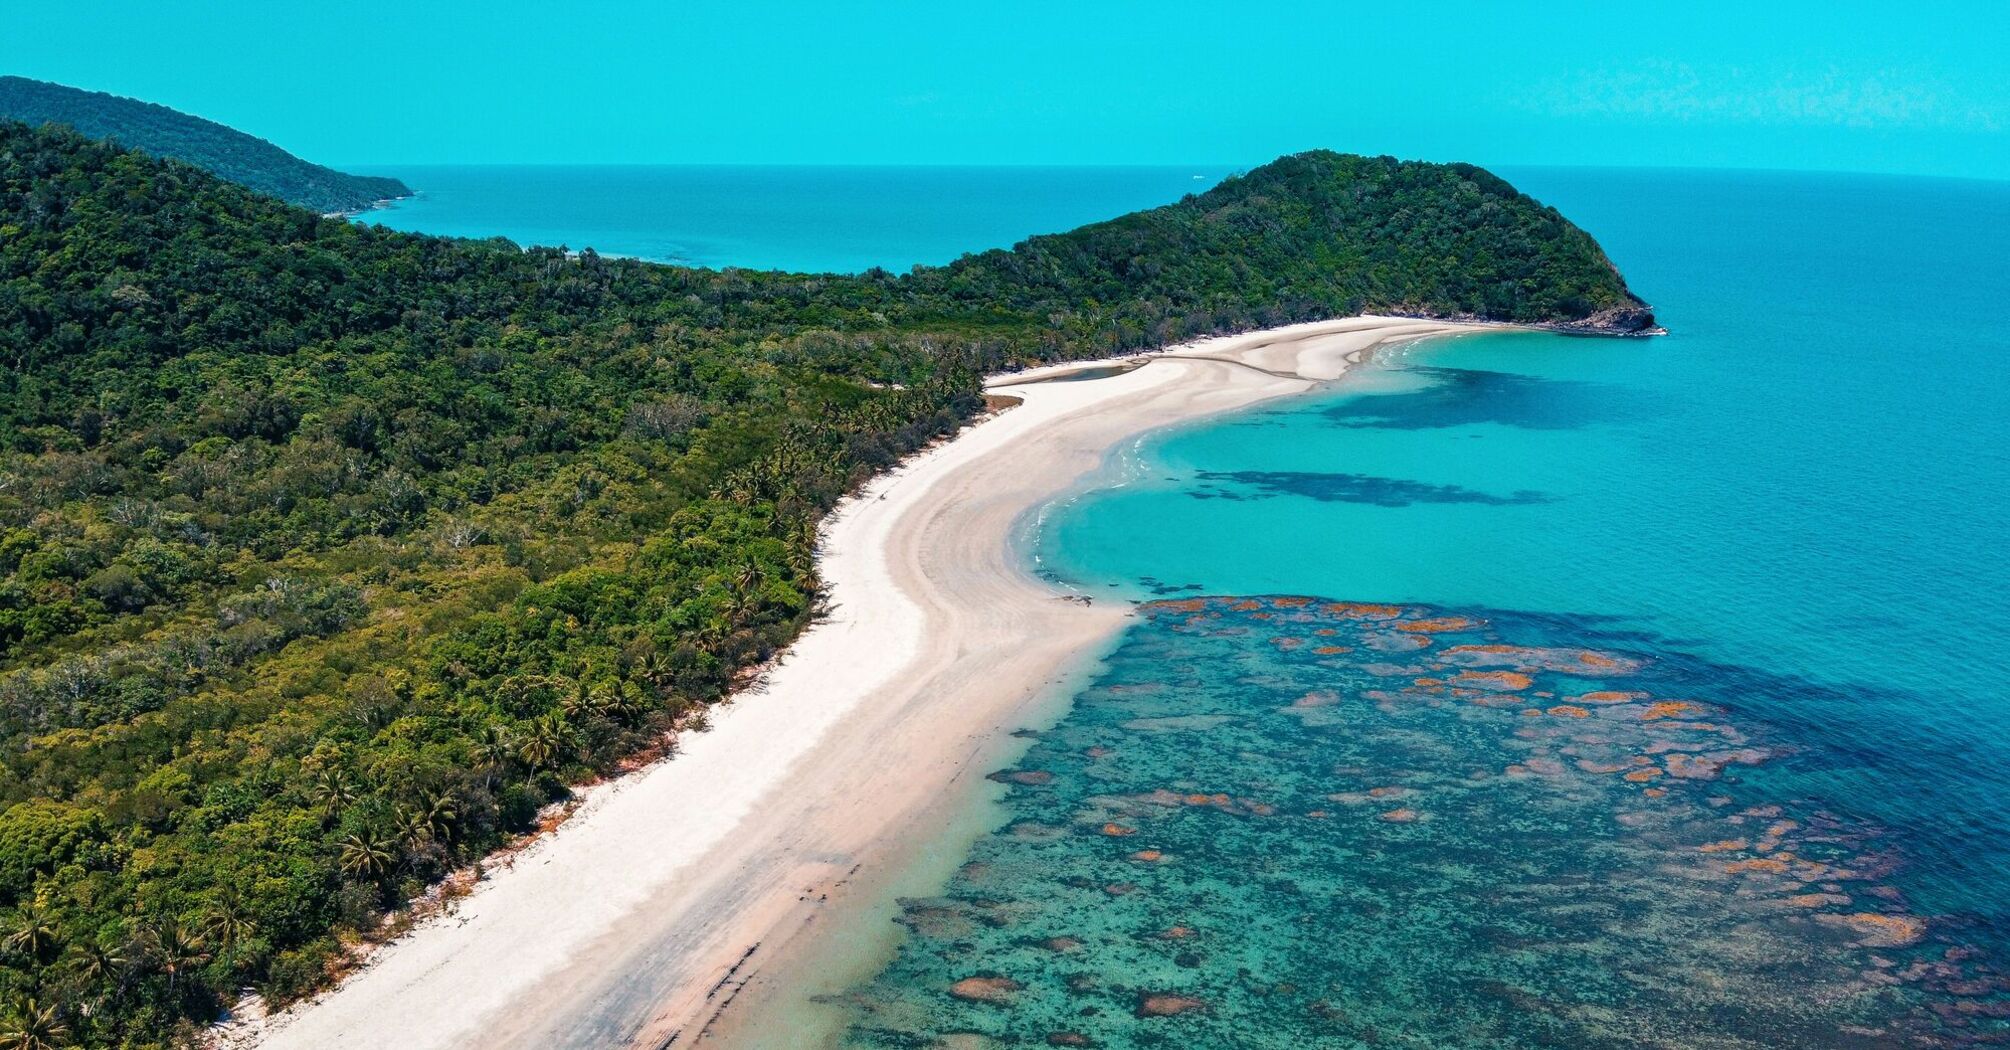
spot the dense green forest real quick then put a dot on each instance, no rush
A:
(330, 555)
(163, 132)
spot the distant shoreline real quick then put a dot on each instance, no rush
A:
(379, 204)
(691, 884)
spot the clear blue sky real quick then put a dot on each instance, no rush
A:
(1919, 88)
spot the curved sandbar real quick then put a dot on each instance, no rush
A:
(686, 877)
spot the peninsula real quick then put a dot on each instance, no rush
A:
(333, 559)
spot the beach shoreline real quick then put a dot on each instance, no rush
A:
(694, 883)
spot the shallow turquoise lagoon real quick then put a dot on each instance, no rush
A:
(1291, 823)
(1806, 477)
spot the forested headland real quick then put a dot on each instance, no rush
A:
(163, 132)
(330, 555)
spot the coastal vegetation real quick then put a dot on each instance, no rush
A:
(163, 132)
(331, 556)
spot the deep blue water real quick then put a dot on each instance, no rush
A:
(837, 219)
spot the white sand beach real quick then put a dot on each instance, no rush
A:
(689, 876)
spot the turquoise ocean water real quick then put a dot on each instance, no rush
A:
(809, 219)
(1676, 711)
(1714, 748)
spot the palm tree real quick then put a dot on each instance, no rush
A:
(96, 965)
(333, 791)
(803, 552)
(368, 854)
(33, 1026)
(548, 743)
(439, 815)
(623, 703)
(749, 577)
(230, 922)
(711, 633)
(408, 827)
(744, 604)
(174, 950)
(653, 667)
(583, 700)
(495, 749)
(431, 821)
(35, 933)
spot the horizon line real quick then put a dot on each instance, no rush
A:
(1235, 168)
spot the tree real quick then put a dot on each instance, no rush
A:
(438, 814)
(97, 966)
(495, 750)
(548, 743)
(427, 822)
(175, 950)
(229, 921)
(35, 934)
(622, 703)
(33, 1025)
(368, 855)
(333, 790)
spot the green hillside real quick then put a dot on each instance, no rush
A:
(164, 132)
(1320, 234)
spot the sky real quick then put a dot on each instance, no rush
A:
(1902, 88)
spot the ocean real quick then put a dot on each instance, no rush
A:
(1518, 690)
(805, 219)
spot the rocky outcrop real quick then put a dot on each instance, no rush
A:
(1617, 320)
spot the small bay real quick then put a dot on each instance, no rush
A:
(1761, 805)
(1789, 512)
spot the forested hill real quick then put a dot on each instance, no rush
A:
(1327, 234)
(164, 132)
(330, 554)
